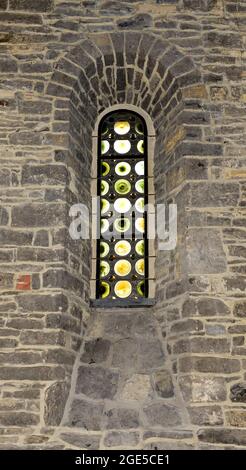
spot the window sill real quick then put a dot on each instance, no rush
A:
(122, 303)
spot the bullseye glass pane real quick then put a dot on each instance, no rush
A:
(122, 247)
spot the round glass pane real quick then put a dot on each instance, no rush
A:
(121, 127)
(104, 225)
(139, 224)
(105, 168)
(122, 267)
(104, 146)
(104, 290)
(123, 289)
(104, 249)
(122, 248)
(104, 187)
(122, 186)
(104, 268)
(122, 225)
(140, 146)
(140, 288)
(105, 129)
(139, 266)
(122, 168)
(139, 204)
(105, 205)
(139, 168)
(122, 146)
(140, 248)
(140, 186)
(139, 128)
(122, 205)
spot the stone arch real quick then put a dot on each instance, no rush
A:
(144, 71)
(132, 68)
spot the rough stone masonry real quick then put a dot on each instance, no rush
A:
(168, 377)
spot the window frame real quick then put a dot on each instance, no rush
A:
(149, 299)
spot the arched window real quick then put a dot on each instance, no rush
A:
(122, 188)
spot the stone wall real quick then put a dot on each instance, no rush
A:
(61, 64)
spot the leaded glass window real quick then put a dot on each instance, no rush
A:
(122, 245)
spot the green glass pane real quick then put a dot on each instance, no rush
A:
(122, 186)
(104, 290)
(122, 168)
(104, 268)
(104, 249)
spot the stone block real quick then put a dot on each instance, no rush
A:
(95, 351)
(209, 364)
(44, 175)
(206, 415)
(238, 392)
(200, 5)
(8, 343)
(55, 399)
(42, 302)
(7, 65)
(41, 238)
(20, 357)
(34, 373)
(121, 439)
(33, 337)
(38, 215)
(97, 382)
(151, 354)
(227, 40)
(236, 417)
(223, 436)
(214, 194)
(3, 4)
(81, 441)
(163, 383)
(118, 418)
(29, 5)
(239, 309)
(35, 107)
(209, 307)
(205, 253)
(19, 418)
(15, 238)
(6, 280)
(160, 414)
(202, 345)
(140, 21)
(125, 353)
(86, 415)
(189, 325)
(203, 389)
(136, 388)
(236, 284)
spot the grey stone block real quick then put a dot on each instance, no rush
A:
(160, 414)
(86, 415)
(55, 400)
(97, 382)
